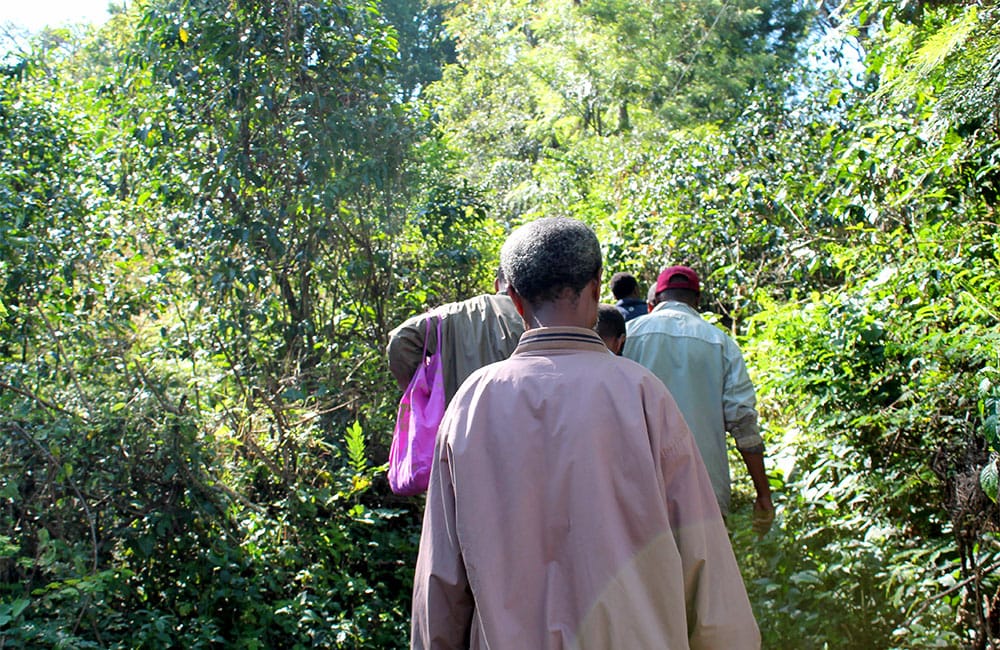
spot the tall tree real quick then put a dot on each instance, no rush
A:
(534, 79)
(284, 149)
(424, 45)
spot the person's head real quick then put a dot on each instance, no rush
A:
(611, 327)
(553, 266)
(651, 297)
(500, 281)
(679, 283)
(624, 285)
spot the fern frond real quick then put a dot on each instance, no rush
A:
(930, 57)
(356, 448)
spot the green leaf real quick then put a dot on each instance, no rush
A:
(991, 421)
(10, 612)
(293, 395)
(988, 478)
(355, 439)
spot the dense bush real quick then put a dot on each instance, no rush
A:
(212, 213)
(883, 390)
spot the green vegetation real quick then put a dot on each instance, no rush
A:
(212, 212)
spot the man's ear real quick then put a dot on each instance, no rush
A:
(518, 300)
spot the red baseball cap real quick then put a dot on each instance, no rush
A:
(677, 277)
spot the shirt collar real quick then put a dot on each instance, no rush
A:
(676, 306)
(548, 339)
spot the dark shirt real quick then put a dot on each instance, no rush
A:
(632, 308)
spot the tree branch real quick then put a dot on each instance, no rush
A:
(69, 479)
(41, 400)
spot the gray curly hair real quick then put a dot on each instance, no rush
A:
(543, 258)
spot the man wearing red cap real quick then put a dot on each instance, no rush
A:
(704, 370)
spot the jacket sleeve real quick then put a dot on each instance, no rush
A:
(405, 348)
(443, 605)
(739, 401)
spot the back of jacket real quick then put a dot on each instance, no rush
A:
(476, 332)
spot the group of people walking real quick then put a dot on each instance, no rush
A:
(578, 499)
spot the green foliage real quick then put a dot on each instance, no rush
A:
(737, 205)
(698, 62)
(989, 411)
(41, 243)
(212, 212)
(285, 148)
(454, 219)
(835, 573)
(885, 376)
(182, 333)
(424, 46)
(882, 387)
(534, 80)
(195, 563)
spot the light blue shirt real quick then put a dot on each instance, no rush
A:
(703, 369)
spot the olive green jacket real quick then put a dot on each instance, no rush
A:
(476, 332)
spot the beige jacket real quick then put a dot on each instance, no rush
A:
(476, 332)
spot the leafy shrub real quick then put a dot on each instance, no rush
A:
(877, 390)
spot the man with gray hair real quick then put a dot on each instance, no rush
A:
(568, 506)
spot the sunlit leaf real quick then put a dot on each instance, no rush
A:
(988, 478)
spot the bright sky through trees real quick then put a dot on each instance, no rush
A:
(35, 14)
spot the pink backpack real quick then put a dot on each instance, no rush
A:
(420, 411)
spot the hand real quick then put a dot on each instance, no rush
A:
(763, 515)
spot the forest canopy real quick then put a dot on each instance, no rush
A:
(212, 213)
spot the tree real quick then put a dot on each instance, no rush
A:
(424, 46)
(533, 80)
(206, 245)
(896, 368)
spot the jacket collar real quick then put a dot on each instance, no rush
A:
(547, 339)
